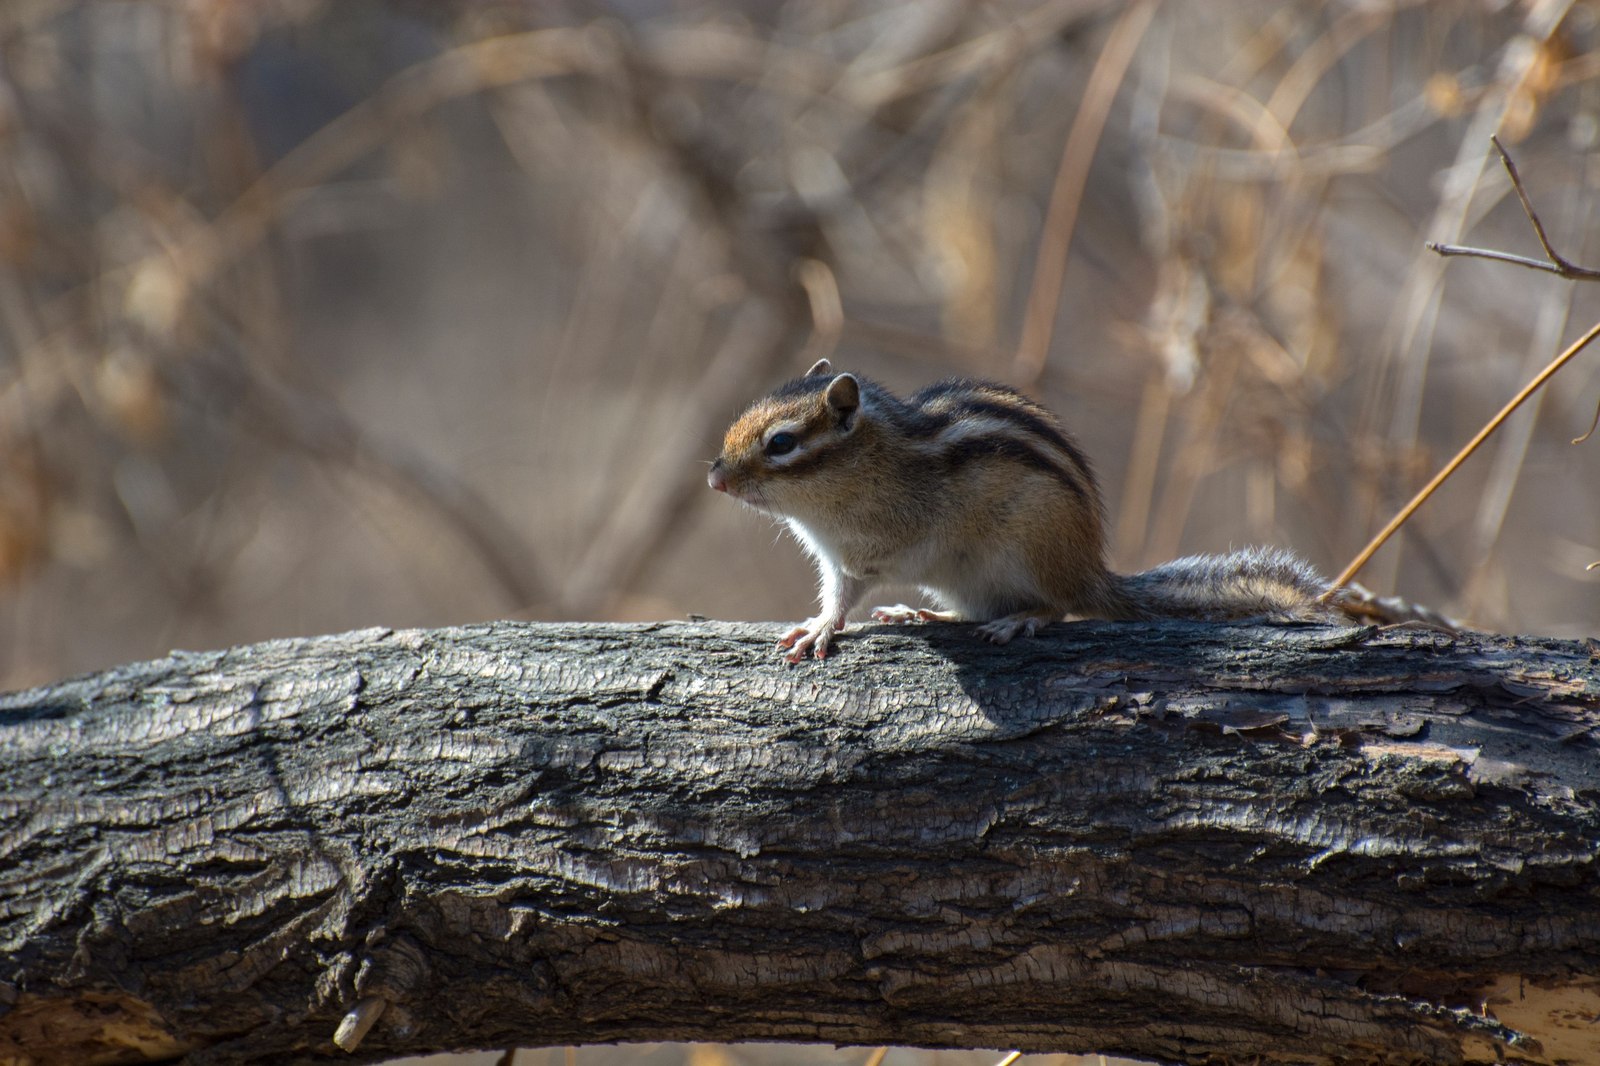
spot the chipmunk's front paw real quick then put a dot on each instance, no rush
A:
(815, 636)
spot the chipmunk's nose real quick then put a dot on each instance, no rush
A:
(716, 478)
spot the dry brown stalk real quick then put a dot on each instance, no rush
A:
(1493, 424)
(1050, 266)
(1557, 264)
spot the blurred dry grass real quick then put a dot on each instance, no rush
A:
(320, 315)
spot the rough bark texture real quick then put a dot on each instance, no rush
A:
(1175, 842)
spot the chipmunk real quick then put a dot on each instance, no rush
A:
(977, 495)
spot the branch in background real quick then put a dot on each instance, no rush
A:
(314, 423)
(1555, 263)
(1072, 175)
(1493, 424)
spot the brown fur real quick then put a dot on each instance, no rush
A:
(977, 495)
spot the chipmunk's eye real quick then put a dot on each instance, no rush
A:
(782, 443)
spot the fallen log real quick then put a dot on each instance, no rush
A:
(1176, 842)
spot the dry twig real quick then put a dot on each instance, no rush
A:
(1554, 263)
(1493, 424)
(1557, 265)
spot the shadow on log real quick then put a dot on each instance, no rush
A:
(1176, 842)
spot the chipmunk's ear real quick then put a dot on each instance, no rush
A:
(843, 398)
(821, 366)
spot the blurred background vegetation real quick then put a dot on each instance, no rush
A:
(317, 315)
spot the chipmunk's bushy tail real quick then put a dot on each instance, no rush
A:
(1258, 583)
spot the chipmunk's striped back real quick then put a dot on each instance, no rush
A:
(964, 421)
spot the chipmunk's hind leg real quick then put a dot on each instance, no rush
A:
(1027, 623)
(904, 613)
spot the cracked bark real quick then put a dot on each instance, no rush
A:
(1174, 842)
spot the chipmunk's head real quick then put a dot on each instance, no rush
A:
(782, 454)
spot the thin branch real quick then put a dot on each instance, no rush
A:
(1533, 216)
(1565, 270)
(1554, 262)
(1594, 422)
(1557, 264)
(1449, 468)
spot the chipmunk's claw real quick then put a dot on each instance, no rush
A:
(902, 613)
(815, 636)
(1001, 630)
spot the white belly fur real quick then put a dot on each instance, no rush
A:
(980, 586)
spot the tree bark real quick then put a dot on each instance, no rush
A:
(1178, 842)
